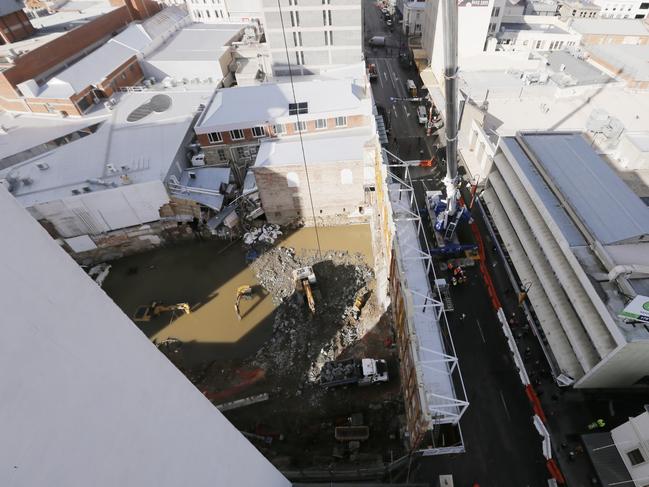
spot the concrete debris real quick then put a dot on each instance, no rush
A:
(99, 273)
(301, 343)
(267, 234)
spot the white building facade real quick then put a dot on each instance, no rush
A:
(219, 11)
(413, 17)
(317, 34)
(619, 9)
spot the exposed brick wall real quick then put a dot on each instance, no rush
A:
(128, 74)
(352, 121)
(15, 27)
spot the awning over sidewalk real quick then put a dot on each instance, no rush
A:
(606, 459)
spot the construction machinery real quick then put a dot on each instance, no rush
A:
(305, 282)
(359, 302)
(146, 312)
(244, 292)
(363, 372)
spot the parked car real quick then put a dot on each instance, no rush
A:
(422, 117)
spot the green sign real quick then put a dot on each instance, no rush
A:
(637, 309)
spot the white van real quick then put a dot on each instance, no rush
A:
(422, 117)
(412, 87)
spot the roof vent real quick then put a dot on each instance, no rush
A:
(76, 192)
(43, 166)
(27, 181)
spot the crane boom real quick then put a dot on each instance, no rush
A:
(450, 22)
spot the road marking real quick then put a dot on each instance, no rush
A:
(480, 328)
(405, 110)
(505, 404)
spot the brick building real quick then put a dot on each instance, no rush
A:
(264, 128)
(14, 24)
(32, 70)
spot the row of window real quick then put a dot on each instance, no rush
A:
(294, 2)
(205, 1)
(295, 18)
(218, 14)
(278, 129)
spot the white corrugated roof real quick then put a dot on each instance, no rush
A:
(603, 202)
(316, 150)
(268, 103)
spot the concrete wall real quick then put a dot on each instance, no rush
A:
(340, 19)
(89, 399)
(473, 25)
(621, 368)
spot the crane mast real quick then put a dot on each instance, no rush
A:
(450, 23)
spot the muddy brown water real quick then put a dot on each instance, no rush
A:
(206, 275)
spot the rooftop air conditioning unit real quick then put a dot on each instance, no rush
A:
(43, 166)
(27, 181)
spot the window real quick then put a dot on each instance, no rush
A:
(299, 57)
(321, 123)
(326, 38)
(341, 121)
(539, 45)
(346, 176)
(292, 19)
(209, 15)
(236, 134)
(644, 5)
(298, 108)
(292, 179)
(221, 154)
(214, 137)
(279, 129)
(635, 457)
(258, 131)
(495, 12)
(329, 13)
(300, 126)
(331, 38)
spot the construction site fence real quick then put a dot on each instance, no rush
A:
(349, 474)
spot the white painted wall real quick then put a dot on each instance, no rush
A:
(634, 434)
(87, 400)
(106, 210)
(473, 24)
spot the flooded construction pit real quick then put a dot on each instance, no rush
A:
(274, 352)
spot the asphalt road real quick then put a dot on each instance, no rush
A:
(406, 133)
(502, 446)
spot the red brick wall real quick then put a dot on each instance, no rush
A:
(18, 26)
(128, 74)
(352, 121)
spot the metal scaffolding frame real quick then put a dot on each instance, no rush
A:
(437, 367)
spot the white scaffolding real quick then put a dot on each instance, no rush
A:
(442, 391)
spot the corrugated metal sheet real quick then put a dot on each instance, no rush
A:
(602, 201)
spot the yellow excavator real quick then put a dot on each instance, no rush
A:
(305, 282)
(245, 292)
(146, 312)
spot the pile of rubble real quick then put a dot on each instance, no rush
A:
(267, 234)
(302, 342)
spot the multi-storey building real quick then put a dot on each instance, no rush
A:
(218, 11)
(413, 17)
(14, 24)
(578, 239)
(328, 127)
(311, 36)
(623, 9)
(579, 9)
